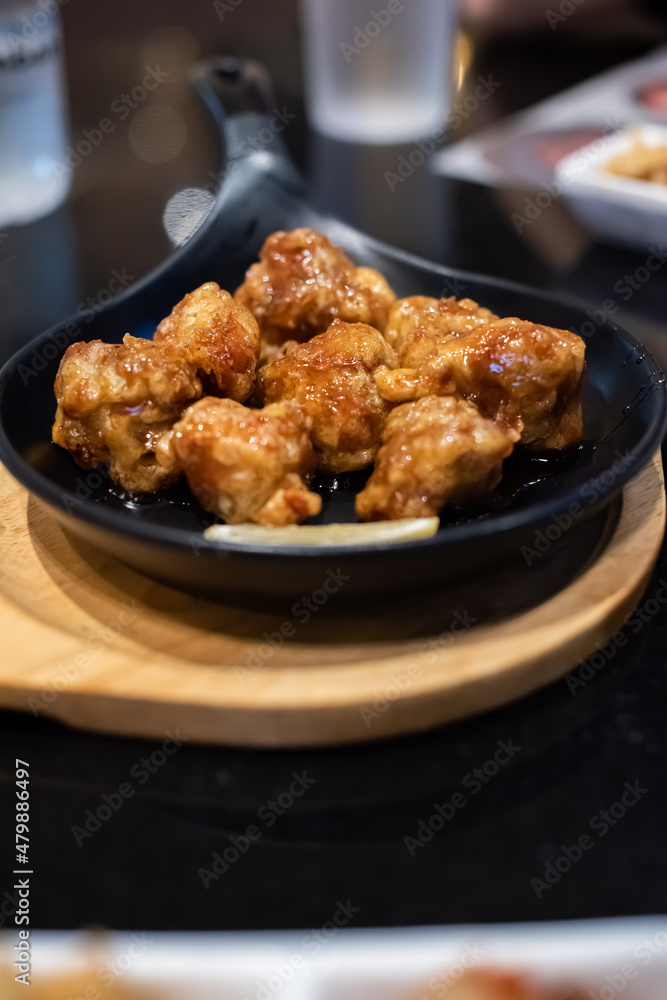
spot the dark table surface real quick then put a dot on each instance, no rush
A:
(344, 839)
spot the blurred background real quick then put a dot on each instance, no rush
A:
(133, 149)
(161, 142)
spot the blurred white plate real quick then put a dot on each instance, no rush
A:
(345, 964)
(622, 210)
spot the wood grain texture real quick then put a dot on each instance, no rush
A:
(95, 644)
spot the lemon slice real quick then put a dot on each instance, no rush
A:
(320, 535)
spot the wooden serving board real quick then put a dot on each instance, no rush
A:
(95, 644)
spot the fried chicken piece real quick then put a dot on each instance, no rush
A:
(511, 368)
(115, 401)
(221, 338)
(491, 984)
(248, 465)
(437, 450)
(418, 325)
(302, 282)
(332, 377)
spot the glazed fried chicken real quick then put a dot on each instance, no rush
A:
(436, 450)
(302, 282)
(523, 372)
(247, 465)
(219, 336)
(115, 401)
(339, 355)
(418, 325)
(332, 377)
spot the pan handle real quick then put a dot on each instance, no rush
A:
(239, 95)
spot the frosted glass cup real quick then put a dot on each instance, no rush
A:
(377, 72)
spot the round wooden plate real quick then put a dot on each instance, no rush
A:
(95, 644)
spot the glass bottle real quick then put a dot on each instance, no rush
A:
(33, 129)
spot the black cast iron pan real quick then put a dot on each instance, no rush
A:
(260, 191)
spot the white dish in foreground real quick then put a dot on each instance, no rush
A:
(345, 964)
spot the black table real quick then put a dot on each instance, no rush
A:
(576, 750)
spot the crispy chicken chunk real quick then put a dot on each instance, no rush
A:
(221, 338)
(248, 465)
(520, 371)
(115, 401)
(332, 377)
(418, 325)
(302, 282)
(437, 450)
